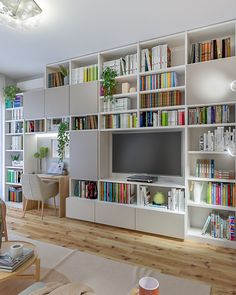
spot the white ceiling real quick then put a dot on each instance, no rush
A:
(71, 28)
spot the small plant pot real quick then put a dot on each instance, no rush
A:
(17, 163)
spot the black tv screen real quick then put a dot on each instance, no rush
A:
(147, 153)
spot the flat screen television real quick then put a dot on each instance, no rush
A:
(147, 153)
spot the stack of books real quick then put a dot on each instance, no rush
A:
(15, 194)
(117, 192)
(221, 194)
(219, 140)
(164, 118)
(214, 49)
(86, 122)
(123, 66)
(120, 121)
(206, 169)
(16, 142)
(158, 81)
(84, 74)
(209, 115)
(8, 264)
(161, 99)
(221, 227)
(86, 189)
(14, 176)
(176, 200)
(55, 79)
(159, 57)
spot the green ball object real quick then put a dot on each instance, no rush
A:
(159, 198)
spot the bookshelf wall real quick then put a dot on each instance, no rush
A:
(14, 151)
(170, 93)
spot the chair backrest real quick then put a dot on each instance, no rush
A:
(32, 187)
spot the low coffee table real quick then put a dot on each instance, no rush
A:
(34, 260)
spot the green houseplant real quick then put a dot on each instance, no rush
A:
(10, 92)
(43, 153)
(63, 139)
(109, 83)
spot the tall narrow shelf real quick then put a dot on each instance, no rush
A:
(14, 146)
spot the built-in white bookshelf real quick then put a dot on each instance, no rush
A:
(14, 151)
(198, 85)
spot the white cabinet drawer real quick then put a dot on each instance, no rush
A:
(82, 209)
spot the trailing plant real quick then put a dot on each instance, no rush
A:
(15, 157)
(10, 92)
(43, 153)
(63, 139)
(109, 83)
(64, 71)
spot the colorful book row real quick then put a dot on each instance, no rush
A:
(219, 140)
(161, 99)
(214, 49)
(206, 169)
(209, 115)
(84, 74)
(14, 176)
(158, 81)
(221, 194)
(15, 194)
(220, 226)
(86, 189)
(120, 121)
(86, 122)
(35, 126)
(117, 192)
(163, 118)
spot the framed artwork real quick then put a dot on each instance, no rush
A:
(54, 147)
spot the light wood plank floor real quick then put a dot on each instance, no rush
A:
(213, 265)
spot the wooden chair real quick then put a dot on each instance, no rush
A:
(35, 189)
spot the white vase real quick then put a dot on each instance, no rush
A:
(197, 193)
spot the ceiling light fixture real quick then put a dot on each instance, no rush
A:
(19, 13)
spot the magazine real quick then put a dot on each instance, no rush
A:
(9, 264)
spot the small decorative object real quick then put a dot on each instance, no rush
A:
(16, 250)
(15, 160)
(43, 153)
(109, 83)
(9, 93)
(198, 187)
(125, 87)
(148, 286)
(63, 139)
(159, 199)
(65, 73)
(132, 89)
(146, 195)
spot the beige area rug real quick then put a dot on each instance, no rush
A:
(104, 276)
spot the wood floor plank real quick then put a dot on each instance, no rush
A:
(187, 259)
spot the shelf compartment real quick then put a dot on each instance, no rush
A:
(119, 121)
(84, 122)
(35, 126)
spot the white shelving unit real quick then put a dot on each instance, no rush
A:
(14, 129)
(200, 86)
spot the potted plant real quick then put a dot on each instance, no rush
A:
(9, 93)
(63, 139)
(15, 160)
(65, 73)
(109, 83)
(43, 153)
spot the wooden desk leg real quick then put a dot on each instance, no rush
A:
(37, 269)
